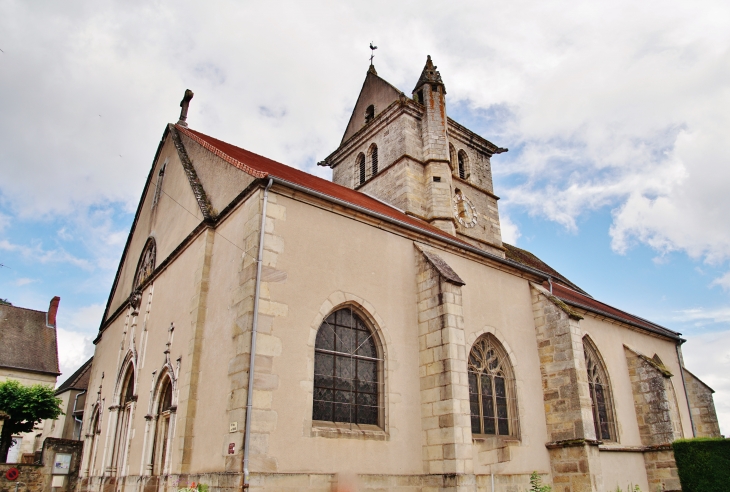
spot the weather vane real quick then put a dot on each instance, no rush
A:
(372, 52)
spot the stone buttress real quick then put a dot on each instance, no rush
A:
(446, 426)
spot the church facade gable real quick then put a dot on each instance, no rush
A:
(154, 217)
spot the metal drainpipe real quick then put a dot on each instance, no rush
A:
(76, 400)
(254, 329)
(550, 283)
(684, 385)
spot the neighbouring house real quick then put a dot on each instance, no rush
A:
(72, 393)
(28, 354)
(271, 329)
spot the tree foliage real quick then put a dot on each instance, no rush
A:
(26, 406)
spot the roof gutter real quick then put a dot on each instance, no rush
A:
(405, 225)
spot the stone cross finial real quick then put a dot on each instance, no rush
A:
(184, 105)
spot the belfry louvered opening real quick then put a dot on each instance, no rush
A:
(361, 168)
(347, 371)
(373, 159)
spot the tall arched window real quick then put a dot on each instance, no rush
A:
(93, 436)
(369, 113)
(146, 264)
(162, 428)
(491, 389)
(463, 162)
(126, 400)
(373, 159)
(346, 371)
(361, 167)
(600, 391)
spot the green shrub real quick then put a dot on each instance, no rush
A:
(703, 464)
(536, 484)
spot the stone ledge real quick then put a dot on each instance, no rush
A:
(337, 430)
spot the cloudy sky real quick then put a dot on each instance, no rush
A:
(616, 115)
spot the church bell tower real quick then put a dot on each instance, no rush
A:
(407, 152)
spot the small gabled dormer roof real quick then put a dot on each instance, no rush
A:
(429, 75)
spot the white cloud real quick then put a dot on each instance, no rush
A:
(25, 281)
(723, 281)
(708, 357)
(76, 331)
(37, 253)
(510, 230)
(703, 316)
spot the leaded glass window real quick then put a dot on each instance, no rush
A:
(346, 367)
(600, 392)
(491, 389)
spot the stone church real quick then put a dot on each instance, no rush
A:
(271, 330)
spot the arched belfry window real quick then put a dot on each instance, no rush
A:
(146, 263)
(346, 371)
(369, 113)
(600, 390)
(463, 162)
(162, 428)
(373, 152)
(361, 168)
(492, 389)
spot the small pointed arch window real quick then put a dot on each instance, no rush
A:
(158, 185)
(369, 113)
(146, 263)
(599, 388)
(361, 168)
(463, 163)
(373, 153)
(347, 368)
(492, 398)
(161, 437)
(126, 403)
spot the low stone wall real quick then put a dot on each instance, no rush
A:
(32, 478)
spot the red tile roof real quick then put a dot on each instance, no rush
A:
(577, 299)
(260, 167)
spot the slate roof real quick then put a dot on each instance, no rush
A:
(26, 342)
(526, 258)
(79, 380)
(262, 167)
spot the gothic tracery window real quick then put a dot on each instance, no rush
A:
(346, 371)
(146, 263)
(600, 392)
(491, 389)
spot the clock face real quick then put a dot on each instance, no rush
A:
(464, 211)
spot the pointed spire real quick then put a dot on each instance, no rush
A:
(429, 75)
(372, 69)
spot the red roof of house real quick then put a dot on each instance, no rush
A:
(577, 299)
(261, 167)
